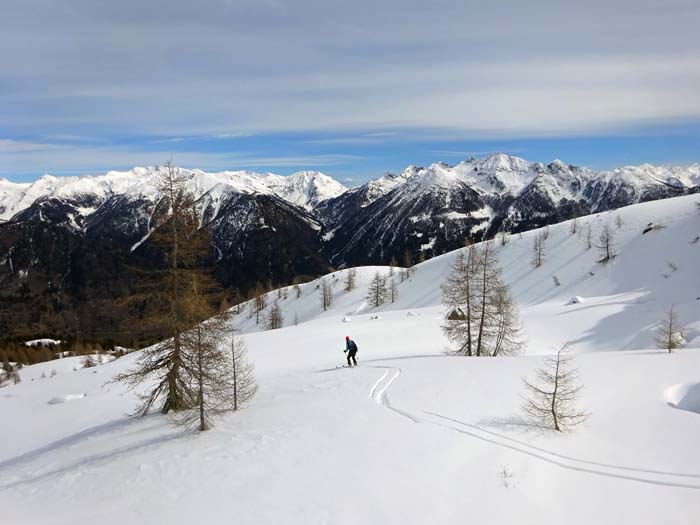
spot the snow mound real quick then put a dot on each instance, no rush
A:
(412, 314)
(63, 399)
(575, 300)
(684, 396)
(347, 319)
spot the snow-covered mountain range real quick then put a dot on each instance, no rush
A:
(305, 189)
(65, 238)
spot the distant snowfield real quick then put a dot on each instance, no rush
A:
(411, 435)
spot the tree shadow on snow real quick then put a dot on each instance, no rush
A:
(109, 434)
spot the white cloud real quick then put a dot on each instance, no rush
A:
(225, 70)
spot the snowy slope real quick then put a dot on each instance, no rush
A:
(629, 293)
(411, 435)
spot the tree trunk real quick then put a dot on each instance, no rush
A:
(235, 373)
(485, 262)
(554, 394)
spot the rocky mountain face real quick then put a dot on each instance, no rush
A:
(69, 246)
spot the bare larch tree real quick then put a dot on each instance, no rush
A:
(606, 243)
(325, 293)
(482, 317)
(669, 333)
(350, 277)
(243, 373)
(185, 247)
(377, 290)
(538, 250)
(275, 319)
(551, 400)
(393, 290)
(205, 363)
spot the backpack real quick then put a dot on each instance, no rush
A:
(353, 346)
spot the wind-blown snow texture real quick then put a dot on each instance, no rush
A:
(411, 435)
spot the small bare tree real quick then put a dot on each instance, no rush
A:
(243, 373)
(393, 290)
(538, 250)
(503, 234)
(350, 278)
(459, 295)
(573, 227)
(551, 400)
(259, 301)
(588, 236)
(210, 379)
(393, 263)
(325, 292)
(606, 243)
(618, 221)
(407, 263)
(377, 290)
(669, 333)
(275, 319)
(507, 331)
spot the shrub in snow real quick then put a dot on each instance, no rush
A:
(575, 300)
(88, 361)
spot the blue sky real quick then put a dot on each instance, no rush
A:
(353, 89)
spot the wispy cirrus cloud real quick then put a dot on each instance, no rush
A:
(340, 79)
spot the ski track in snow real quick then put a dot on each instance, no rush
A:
(379, 394)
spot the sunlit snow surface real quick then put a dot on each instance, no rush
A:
(411, 435)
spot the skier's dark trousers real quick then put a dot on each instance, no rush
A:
(351, 350)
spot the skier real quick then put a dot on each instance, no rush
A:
(351, 349)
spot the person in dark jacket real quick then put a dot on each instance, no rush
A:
(350, 349)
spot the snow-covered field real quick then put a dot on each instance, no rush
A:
(411, 435)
